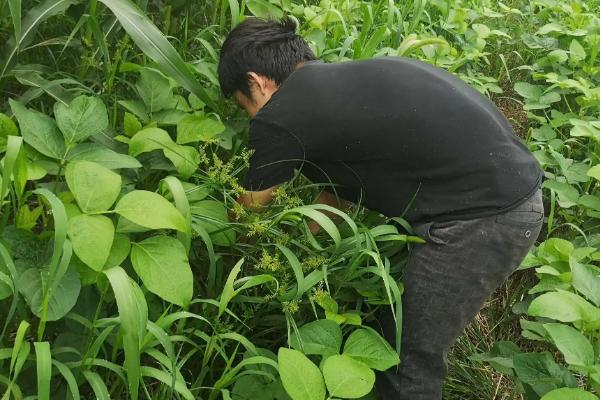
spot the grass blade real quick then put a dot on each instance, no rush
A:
(183, 205)
(98, 386)
(15, 14)
(69, 377)
(43, 368)
(132, 315)
(156, 46)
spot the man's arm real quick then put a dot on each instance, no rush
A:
(257, 201)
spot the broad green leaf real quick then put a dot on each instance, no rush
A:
(577, 51)
(318, 337)
(84, 117)
(569, 394)
(7, 128)
(118, 251)
(154, 89)
(347, 378)
(527, 90)
(39, 131)
(131, 125)
(102, 155)
(162, 264)
(541, 372)
(156, 46)
(95, 187)
(264, 9)
(369, 347)
(150, 210)
(92, 238)
(594, 172)
(568, 195)
(196, 128)
(575, 347)
(563, 306)
(212, 216)
(301, 379)
(184, 158)
(62, 299)
(586, 280)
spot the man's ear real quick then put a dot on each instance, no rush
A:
(258, 82)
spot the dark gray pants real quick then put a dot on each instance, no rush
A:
(446, 282)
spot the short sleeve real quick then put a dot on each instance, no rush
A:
(276, 153)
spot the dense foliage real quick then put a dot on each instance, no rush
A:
(127, 269)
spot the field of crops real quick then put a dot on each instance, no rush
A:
(128, 269)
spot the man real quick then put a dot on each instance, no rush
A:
(407, 139)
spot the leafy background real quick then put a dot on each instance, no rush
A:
(127, 269)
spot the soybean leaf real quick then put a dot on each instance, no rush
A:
(301, 379)
(563, 306)
(7, 128)
(154, 89)
(347, 378)
(576, 348)
(541, 372)
(569, 394)
(131, 125)
(162, 264)
(39, 131)
(317, 337)
(156, 46)
(62, 299)
(118, 251)
(586, 280)
(94, 187)
(367, 346)
(83, 117)
(184, 158)
(150, 210)
(92, 238)
(102, 155)
(196, 128)
(264, 9)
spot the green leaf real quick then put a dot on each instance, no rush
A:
(102, 155)
(568, 196)
(62, 299)
(84, 117)
(576, 348)
(39, 131)
(118, 251)
(92, 238)
(577, 51)
(527, 90)
(264, 9)
(594, 172)
(369, 347)
(43, 361)
(541, 372)
(184, 158)
(563, 306)
(131, 125)
(7, 128)
(162, 264)
(318, 337)
(301, 379)
(156, 46)
(154, 89)
(95, 187)
(586, 280)
(347, 378)
(196, 128)
(150, 210)
(569, 394)
(212, 216)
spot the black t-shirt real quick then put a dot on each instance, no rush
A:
(403, 136)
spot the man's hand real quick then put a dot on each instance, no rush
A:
(329, 199)
(257, 201)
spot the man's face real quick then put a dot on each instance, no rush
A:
(261, 90)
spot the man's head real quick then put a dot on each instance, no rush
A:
(257, 56)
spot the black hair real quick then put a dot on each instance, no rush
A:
(266, 47)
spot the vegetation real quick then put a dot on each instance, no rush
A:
(127, 269)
